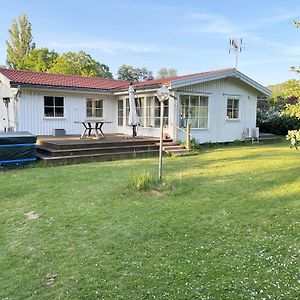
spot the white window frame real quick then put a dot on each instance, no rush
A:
(94, 108)
(150, 119)
(120, 112)
(146, 113)
(186, 119)
(54, 106)
(235, 99)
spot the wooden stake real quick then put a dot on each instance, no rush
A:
(188, 136)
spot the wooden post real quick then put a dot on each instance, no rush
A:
(161, 139)
(188, 136)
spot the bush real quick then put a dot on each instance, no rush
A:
(276, 123)
(144, 182)
(270, 117)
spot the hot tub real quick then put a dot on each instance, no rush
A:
(17, 148)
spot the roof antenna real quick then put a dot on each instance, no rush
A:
(236, 46)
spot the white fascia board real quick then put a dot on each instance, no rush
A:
(42, 88)
(226, 74)
(253, 83)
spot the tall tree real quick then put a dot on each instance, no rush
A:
(128, 72)
(40, 60)
(166, 73)
(20, 42)
(293, 109)
(80, 63)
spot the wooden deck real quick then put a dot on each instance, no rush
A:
(72, 149)
(76, 140)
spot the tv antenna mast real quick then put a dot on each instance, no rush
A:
(236, 46)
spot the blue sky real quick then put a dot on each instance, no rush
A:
(190, 36)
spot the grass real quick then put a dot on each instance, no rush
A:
(227, 229)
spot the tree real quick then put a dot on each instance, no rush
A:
(144, 74)
(81, 64)
(22, 55)
(19, 43)
(166, 73)
(293, 109)
(40, 60)
(128, 72)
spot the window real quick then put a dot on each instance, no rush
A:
(53, 106)
(127, 110)
(195, 110)
(94, 108)
(139, 110)
(139, 104)
(148, 111)
(120, 112)
(152, 117)
(233, 108)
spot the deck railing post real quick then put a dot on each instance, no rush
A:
(188, 136)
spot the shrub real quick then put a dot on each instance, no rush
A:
(270, 116)
(144, 182)
(276, 123)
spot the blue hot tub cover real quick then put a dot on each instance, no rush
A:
(17, 147)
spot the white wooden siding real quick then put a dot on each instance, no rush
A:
(31, 106)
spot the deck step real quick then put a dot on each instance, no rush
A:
(174, 148)
(94, 150)
(94, 157)
(269, 136)
(74, 150)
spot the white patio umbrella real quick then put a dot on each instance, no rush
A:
(132, 118)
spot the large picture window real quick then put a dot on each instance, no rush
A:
(53, 106)
(94, 108)
(194, 109)
(233, 108)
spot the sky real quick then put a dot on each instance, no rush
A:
(191, 36)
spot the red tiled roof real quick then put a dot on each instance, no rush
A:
(59, 80)
(97, 83)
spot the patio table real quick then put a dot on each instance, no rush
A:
(95, 125)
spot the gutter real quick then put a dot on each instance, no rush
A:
(57, 88)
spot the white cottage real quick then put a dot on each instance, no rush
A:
(220, 105)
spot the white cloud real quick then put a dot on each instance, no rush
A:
(286, 17)
(211, 23)
(274, 60)
(108, 47)
(112, 47)
(105, 46)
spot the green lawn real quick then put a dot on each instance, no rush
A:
(228, 228)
